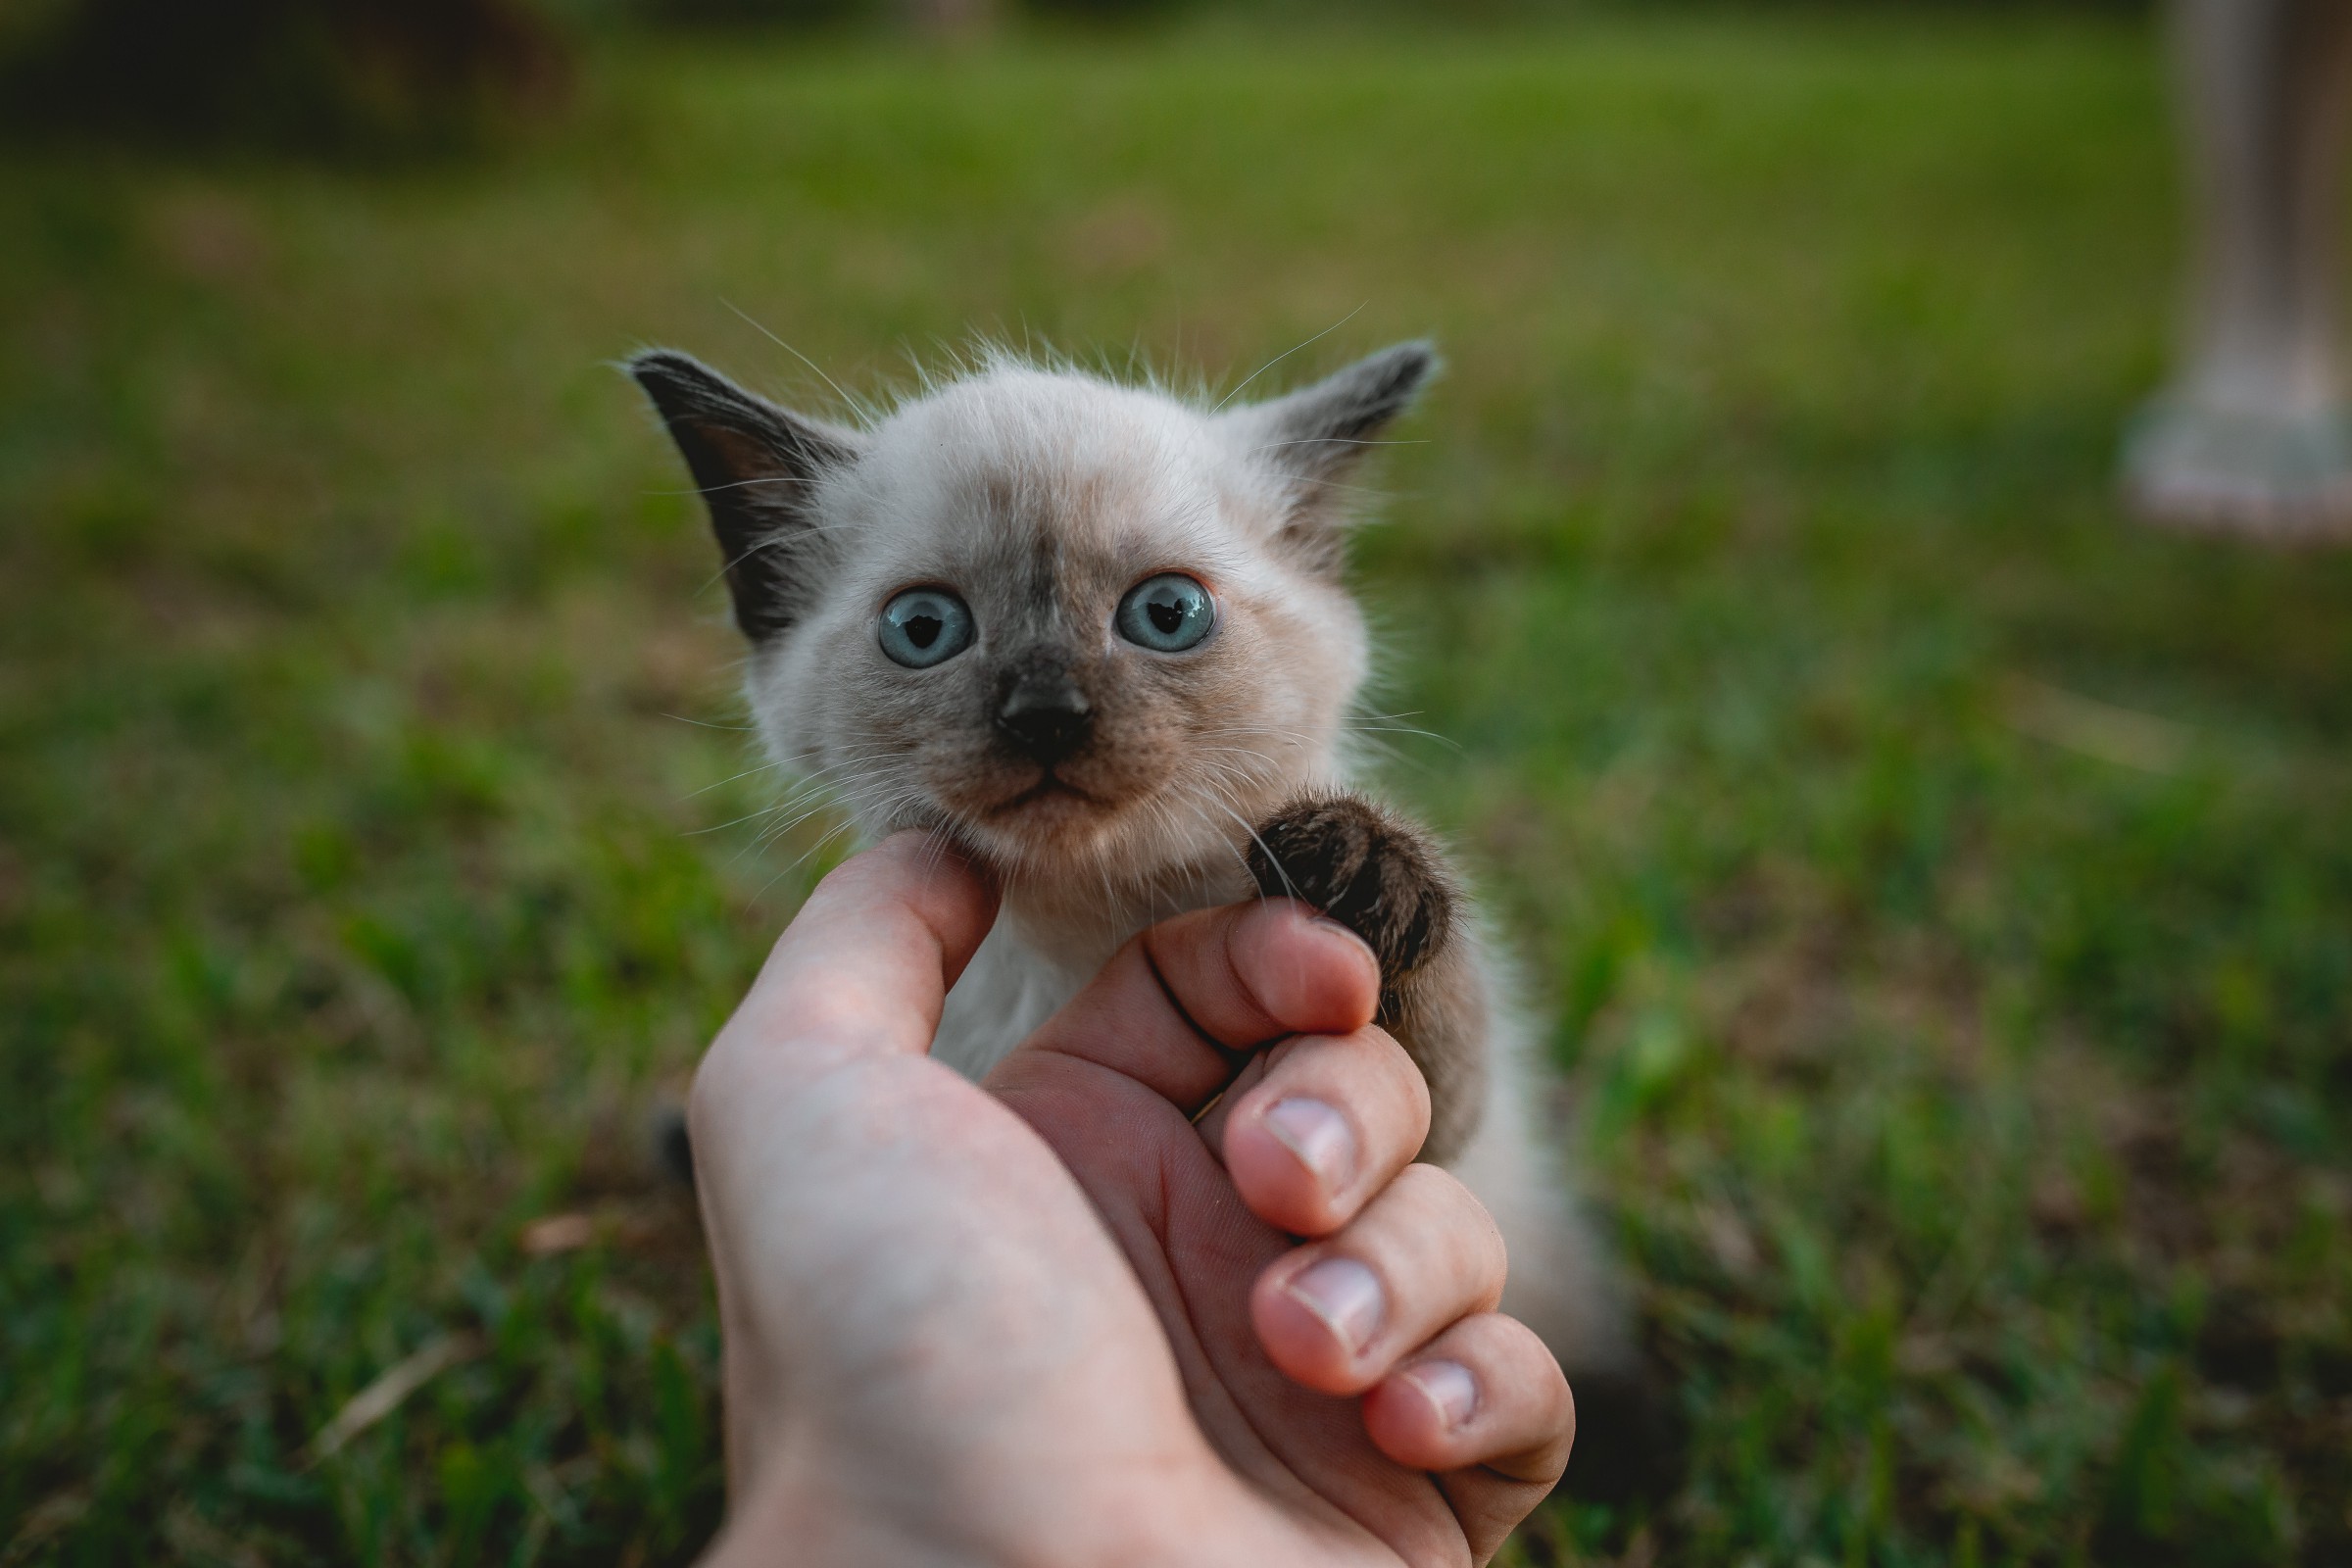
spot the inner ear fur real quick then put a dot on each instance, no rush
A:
(757, 465)
(1315, 436)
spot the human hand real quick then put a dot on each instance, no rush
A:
(1051, 1319)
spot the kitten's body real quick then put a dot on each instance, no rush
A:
(1041, 503)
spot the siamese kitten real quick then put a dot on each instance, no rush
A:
(1100, 635)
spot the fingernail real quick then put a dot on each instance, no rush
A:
(1346, 1295)
(1348, 933)
(1450, 1387)
(1319, 1135)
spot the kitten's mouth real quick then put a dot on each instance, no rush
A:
(1049, 786)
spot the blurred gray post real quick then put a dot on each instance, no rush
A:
(2253, 436)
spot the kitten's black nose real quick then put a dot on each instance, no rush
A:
(1045, 713)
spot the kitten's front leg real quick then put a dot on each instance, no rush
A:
(1386, 879)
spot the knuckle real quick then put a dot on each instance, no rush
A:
(1451, 1215)
(1404, 1072)
(1431, 1191)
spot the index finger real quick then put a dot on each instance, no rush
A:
(1177, 1007)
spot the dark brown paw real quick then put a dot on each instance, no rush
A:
(1366, 867)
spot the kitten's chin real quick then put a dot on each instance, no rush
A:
(1051, 820)
(1049, 827)
(1103, 827)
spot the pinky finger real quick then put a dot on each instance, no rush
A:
(1486, 1409)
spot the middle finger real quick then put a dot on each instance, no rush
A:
(1319, 1125)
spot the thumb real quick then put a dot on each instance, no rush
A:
(865, 966)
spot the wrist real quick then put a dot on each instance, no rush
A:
(794, 1510)
(804, 1508)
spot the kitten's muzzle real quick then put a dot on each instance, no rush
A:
(1041, 709)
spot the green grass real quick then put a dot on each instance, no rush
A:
(1973, 1108)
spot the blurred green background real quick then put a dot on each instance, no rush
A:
(1940, 885)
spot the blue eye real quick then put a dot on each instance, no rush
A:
(1166, 614)
(924, 626)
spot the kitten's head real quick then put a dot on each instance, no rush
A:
(1091, 628)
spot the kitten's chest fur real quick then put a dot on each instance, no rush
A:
(1048, 941)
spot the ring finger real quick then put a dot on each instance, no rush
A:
(1336, 1315)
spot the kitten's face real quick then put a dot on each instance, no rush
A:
(1058, 736)
(1093, 630)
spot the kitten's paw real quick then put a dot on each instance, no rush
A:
(1366, 867)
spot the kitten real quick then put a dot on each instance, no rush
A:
(1101, 636)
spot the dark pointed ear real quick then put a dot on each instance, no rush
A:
(1315, 436)
(758, 466)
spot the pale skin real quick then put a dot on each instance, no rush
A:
(1066, 1316)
